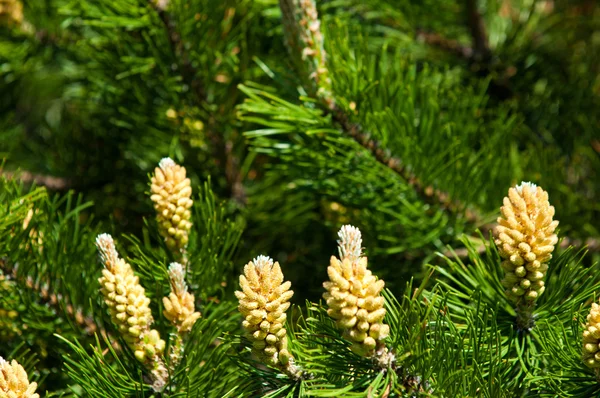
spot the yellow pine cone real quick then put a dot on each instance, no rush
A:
(14, 382)
(179, 306)
(591, 338)
(11, 12)
(171, 193)
(264, 299)
(353, 295)
(127, 303)
(525, 239)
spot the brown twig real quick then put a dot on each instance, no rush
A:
(478, 52)
(188, 71)
(50, 182)
(481, 48)
(499, 86)
(427, 193)
(449, 45)
(225, 157)
(51, 299)
(479, 56)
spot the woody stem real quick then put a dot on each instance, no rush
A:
(525, 319)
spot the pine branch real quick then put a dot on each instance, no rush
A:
(481, 48)
(56, 301)
(429, 194)
(479, 54)
(303, 46)
(50, 182)
(449, 45)
(189, 73)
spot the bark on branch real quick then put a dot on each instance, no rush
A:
(481, 49)
(225, 157)
(427, 193)
(50, 182)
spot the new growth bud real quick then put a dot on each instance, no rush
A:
(179, 306)
(354, 295)
(171, 193)
(129, 308)
(525, 239)
(304, 40)
(264, 299)
(14, 382)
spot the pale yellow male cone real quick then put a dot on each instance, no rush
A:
(591, 338)
(525, 239)
(14, 382)
(179, 306)
(11, 12)
(171, 193)
(127, 303)
(264, 299)
(354, 295)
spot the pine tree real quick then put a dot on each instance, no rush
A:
(157, 152)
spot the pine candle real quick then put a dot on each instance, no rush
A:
(171, 194)
(525, 238)
(354, 295)
(264, 299)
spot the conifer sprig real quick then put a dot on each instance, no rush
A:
(566, 373)
(476, 282)
(47, 274)
(307, 140)
(305, 42)
(101, 369)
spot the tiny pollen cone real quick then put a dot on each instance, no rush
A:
(171, 193)
(354, 295)
(525, 239)
(179, 306)
(129, 309)
(14, 382)
(264, 299)
(591, 339)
